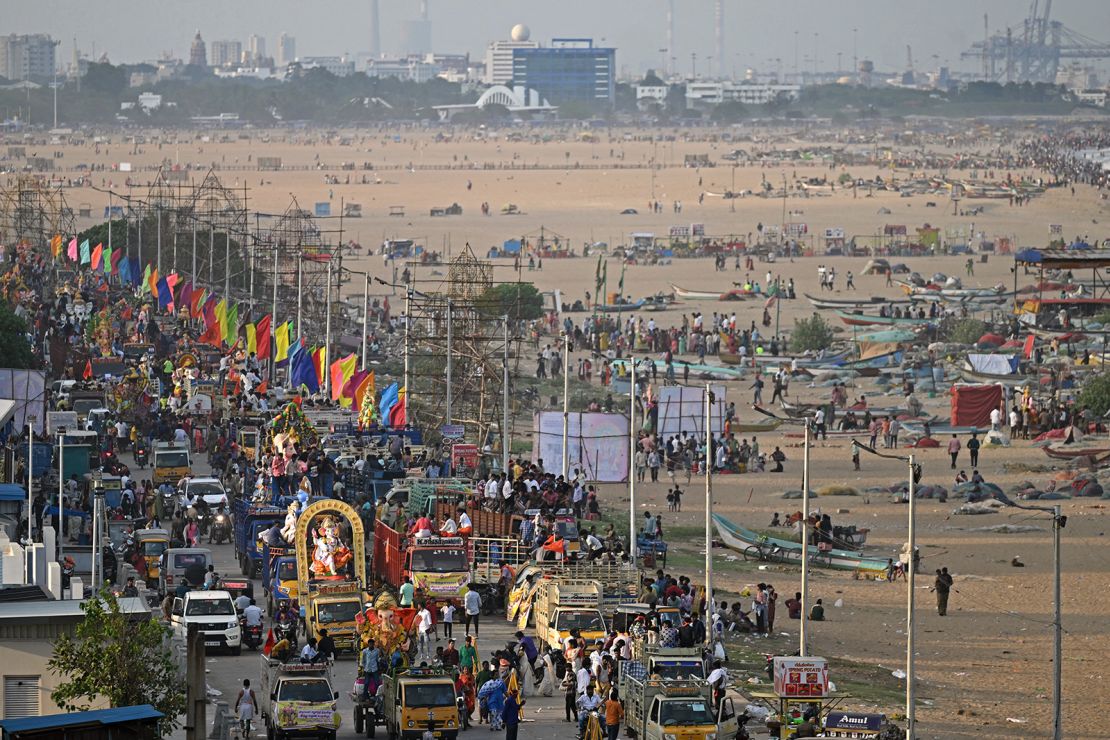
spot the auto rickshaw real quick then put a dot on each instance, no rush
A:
(151, 543)
(248, 442)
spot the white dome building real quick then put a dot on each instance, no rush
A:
(520, 32)
(499, 55)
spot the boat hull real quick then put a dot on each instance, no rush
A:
(737, 538)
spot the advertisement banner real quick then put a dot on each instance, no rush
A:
(597, 443)
(464, 460)
(801, 677)
(293, 714)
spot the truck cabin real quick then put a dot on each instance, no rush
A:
(437, 555)
(335, 612)
(680, 669)
(310, 689)
(682, 711)
(581, 619)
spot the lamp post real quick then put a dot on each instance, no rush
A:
(98, 555)
(60, 536)
(566, 404)
(632, 458)
(31, 418)
(709, 400)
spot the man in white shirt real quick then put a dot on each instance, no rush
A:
(996, 419)
(424, 628)
(472, 605)
(253, 615)
(718, 681)
(583, 679)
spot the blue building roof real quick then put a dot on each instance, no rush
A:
(116, 716)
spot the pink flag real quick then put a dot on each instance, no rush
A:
(72, 251)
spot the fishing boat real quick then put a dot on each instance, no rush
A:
(730, 358)
(698, 369)
(759, 426)
(740, 539)
(861, 319)
(615, 307)
(1015, 379)
(704, 295)
(861, 302)
(1071, 451)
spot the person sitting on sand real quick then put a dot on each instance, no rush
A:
(817, 613)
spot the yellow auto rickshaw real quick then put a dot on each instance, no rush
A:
(151, 543)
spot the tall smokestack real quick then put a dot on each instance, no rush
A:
(375, 30)
(719, 12)
(669, 61)
(424, 10)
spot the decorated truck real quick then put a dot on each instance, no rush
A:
(298, 700)
(661, 709)
(331, 571)
(438, 566)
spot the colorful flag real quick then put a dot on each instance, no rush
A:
(135, 271)
(212, 323)
(320, 362)
(88, 373)
(387, 402)
(262, 337)
(397, 413)
(199, 297)
(303, 371)
(341, 372)
(165, 295)
(145, 284)
(108, 264)
(117, 261)
(221, 319)
(231, 328)
(152, 280)
(97, 255)
(86, 257)
(185, 297)
(56, 245)
(72, 251)
(281, 342)
(252, 339)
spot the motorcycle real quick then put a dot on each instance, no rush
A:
(252, 636)
(220, 530)
(140, 457)
(287, 630)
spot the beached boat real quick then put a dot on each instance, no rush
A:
(736, 294)
(760, 426)
(860, 302)
(696, 369)
(862, 319)
(1073, 450)
(729, 358)
(616, 307)
(1015, 379)
(740, 539)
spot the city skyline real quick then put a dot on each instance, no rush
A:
(754, 35)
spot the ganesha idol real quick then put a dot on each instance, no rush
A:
(329, 554)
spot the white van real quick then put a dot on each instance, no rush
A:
(214, 614)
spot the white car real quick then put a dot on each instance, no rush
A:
(213, 612)
(210, 489)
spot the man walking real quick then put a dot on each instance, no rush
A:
(472, 605)
(954, 449)
(942, 585)
(973, 450)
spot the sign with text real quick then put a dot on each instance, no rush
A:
(801, 677)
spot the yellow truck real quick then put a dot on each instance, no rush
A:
(298, 700)
(662, 709)
(562, 605)
(172, 462)
(331, 573)
(417, 698)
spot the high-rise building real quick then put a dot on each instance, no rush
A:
(256, 48)
(226, 53)
(27, 56)
(499, 55)
(568, 70)
(287, 50)
(198, 57)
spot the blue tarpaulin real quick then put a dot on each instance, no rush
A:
(511, 246)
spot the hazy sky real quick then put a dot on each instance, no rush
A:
(757, 32)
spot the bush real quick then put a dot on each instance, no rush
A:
(813, 334)
(1095, 396)
(967, 331)
(521, 301)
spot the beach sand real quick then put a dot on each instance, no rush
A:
(990, 659)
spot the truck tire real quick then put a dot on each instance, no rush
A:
(358, 720)
(391, 732)
(237, 650)
(451, 736)
(371, 725)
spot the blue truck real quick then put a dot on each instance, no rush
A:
(279, 581)
(250, 521)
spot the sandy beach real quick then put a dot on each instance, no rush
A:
(984, 670)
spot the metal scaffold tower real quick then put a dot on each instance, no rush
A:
(33, 212)
(460, 343)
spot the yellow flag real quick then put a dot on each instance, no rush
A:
(221, 317)
(252, 339)
(281, 340)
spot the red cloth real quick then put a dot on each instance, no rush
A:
(972, 404)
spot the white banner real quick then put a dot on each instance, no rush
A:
(597, 442)
(683, 410)
(28, 389)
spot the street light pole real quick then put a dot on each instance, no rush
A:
(802, 631)
(408, 330)
(365, 318)
(327, 335)
(911, 709)
(30, 478)
(505, 449)
(632, 460)
(1058, 523)
(708, 512)
(566, 404)
(60, 535)
(450, 352)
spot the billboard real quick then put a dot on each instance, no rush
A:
(682, 409)
(597, 442)
(28, 389)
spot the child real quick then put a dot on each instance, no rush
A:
(855, 454)
(448, 612)
(670, 500)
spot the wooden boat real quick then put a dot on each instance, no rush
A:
(861, 319)
(1073, 450)
(729, 358)
(833, 303)
(740, 539)
(704, 295)
(616, 307)
(696, 369)
(971, 376)
(760, 426)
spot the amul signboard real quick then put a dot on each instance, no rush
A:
(801, 677)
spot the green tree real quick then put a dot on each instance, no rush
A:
(1095, 396)
(120, 658)
(967, 331)
(518, 300)
(15, 350)
(813, 333)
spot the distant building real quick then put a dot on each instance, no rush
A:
(338, 66)
(226, 53)
(287, 50)
(569, 70)
(1092, 97)
(411, 68)
(198, 57)
(256, 48)
(700, 94)
(651, 92)
(27, 56)
(499, 55)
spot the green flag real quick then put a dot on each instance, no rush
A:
(86, 258)
(144, 287)
(107, 261)
(231, 328)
